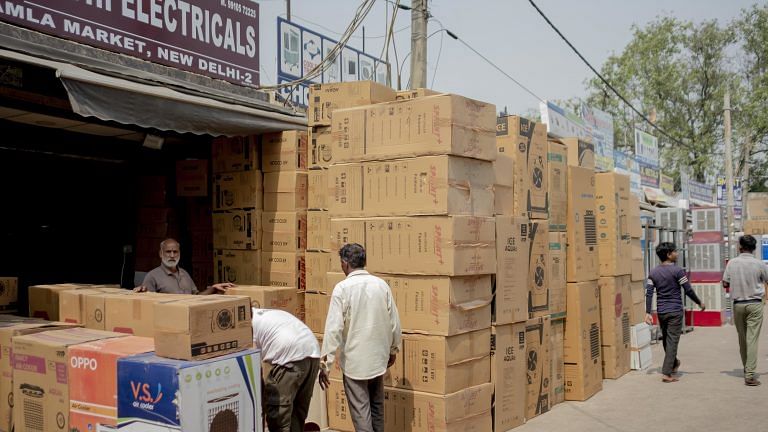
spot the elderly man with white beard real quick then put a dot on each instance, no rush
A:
(169, 278)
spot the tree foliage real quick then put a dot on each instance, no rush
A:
(679, 71)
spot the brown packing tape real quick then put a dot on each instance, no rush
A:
(471, 305)
(469, 360)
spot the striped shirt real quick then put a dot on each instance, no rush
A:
(666, 280)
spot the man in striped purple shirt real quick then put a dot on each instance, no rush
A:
(666, 280)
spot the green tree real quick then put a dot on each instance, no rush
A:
(679, 72)
(750, 118)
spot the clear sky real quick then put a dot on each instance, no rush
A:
(509, 32)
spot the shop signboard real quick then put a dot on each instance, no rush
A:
(667, 184)
(300, 50)
(722, 195)
(219, 39)
(601, 124)
(646, 148)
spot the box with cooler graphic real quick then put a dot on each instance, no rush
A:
(525, 143)
(160, 395)
(92, 369)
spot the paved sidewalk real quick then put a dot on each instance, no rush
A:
(710, 396)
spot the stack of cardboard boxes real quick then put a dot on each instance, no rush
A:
(757, 214)
(615, 258)
(582, 353)
(237, 208)
(193, 185)
(638, 277)
(157, 220)
(9, 294)
(421, 201)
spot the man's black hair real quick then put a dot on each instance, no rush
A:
(353, 254)
(747, 243)
(664, 249)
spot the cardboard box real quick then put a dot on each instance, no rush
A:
(557, 182)
(202, 327)
(40, 381)
(285, 191)
(284, 151)
(333, 278)
(283, 269)
(72, 303)
(638, 312)
(434, 125)
(316, 306)
(92, 370)
(44, 300)
(318, 264)
(434, 245)
(757, 206)
(441, 305)
(129, 314)
(266, 297)
(467, 410)
(511, 289)
(638, 261)
(504, 200)
(237, 266)
(635, 226)
(210, 389)
(318, 230)
(642, 358)
(439, 364)
(538, 265)
(284, 231)
(324, 99)
(320, 147)
(192, 178)
(509, 368)
(152, 191)
(581, 153)
(615, 311)
(339, 417)
(235, 154)
(11, 327)
(526, 143)
(582, 252)
(237, 229)
(556, 273)
(346, 230)
(537, 344)
(238, 190)
(416, 186)
(317, 189)
(415, 93)
(581, 345)
(557, 380)
(613, 241)
(9, 294)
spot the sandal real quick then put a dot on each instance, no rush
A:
(669, 380)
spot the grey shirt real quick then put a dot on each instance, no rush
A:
(747, 277)
(165, 281)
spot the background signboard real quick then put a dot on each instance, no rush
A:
(212, 38)
(649, 175)
(667, 184)
(299, 50)
(646, 148)
(563, 123)
(625, 163)
(722, 195)
(601, 125)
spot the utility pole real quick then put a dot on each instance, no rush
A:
(288, 9)
(728, 167)
(419, 17)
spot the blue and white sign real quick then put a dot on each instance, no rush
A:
(722, 196)
(601, 125)
(300, 50)
(626, 164)
(646, 149)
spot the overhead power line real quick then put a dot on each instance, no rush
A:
(605, 81)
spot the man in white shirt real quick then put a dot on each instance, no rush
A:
(364, 325)
(292, 350)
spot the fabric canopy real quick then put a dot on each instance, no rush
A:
(157, 106)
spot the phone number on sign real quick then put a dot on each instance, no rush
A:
(237, 7)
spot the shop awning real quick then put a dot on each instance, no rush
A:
(151, 105)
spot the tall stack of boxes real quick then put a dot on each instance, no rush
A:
(284, 220)
(237, 208)
(757, 215)
(156, 219)
(582, 351)
(638, 277)
(615, 259)
(9, 294)
(421, 201)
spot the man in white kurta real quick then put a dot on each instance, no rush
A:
(363, 325)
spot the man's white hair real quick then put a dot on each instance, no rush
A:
(169, 240)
